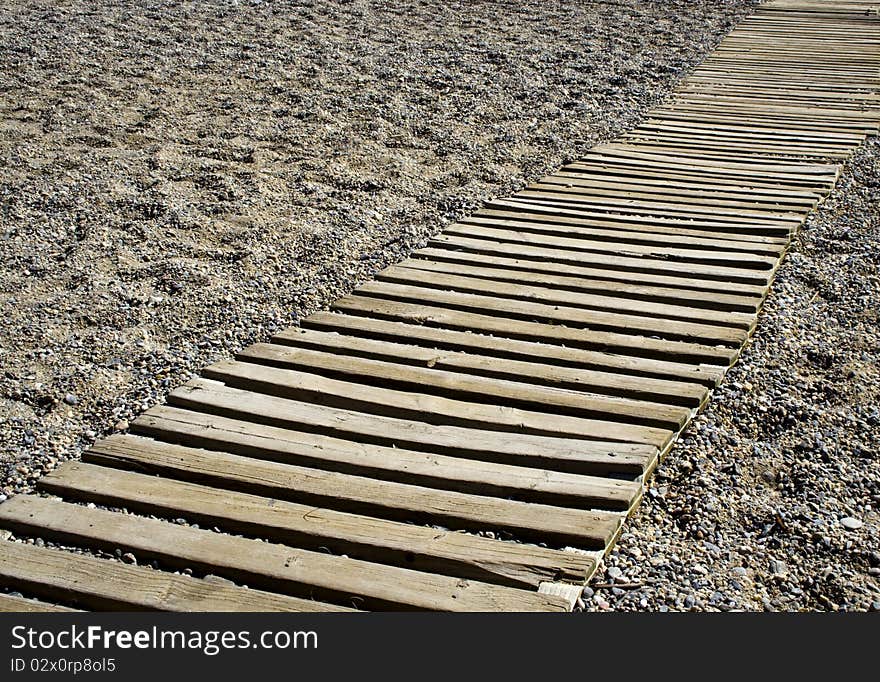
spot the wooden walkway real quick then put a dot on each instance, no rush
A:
(470, 430)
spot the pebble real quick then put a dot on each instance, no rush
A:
(851, 523)
(144, 322)
(71, 399)
(778, 567)
(129, 558)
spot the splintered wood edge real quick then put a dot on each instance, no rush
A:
(568, 591)
(571, 592)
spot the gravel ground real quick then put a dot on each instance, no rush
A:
(182, 179)
(179, 182)
(770, 499)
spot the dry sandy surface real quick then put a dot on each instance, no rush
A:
(180, 179)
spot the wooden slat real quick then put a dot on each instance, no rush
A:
(13, 604)
(421, 548)
(101, 584)
(658, 207)
(689, 394)
(642, 236)
(358, 494)
(629, 220)
(468, 395)
(462, 281)
(280, 568)
(211, 432)
(510, 270)
(502, 347)
(632, 325)
(633, 216)
(559, 334)
(487, 254)
(557, 453)
(483, 253)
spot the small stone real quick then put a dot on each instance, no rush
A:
(121, 425)
(689, 601)
(587, 592)
(129, 558)
(739, 570)
(874, 572)
(778, 567)
(614, 573)
(3, 498)
(71, 399)
(217, 580)
(851, 523)
(875, 605)
(617, 592)
(579, 604)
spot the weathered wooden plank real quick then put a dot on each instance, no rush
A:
(684, 193)
(14, 604)
(511, 270)
(357, 494)
(694, 187)
(435, 396)
(679, 254)
(641, 236)
(807, 175)
(643, 346)
(462, 281)
(524, 250)
(421, 548)
(687, 189)
(689, 394)
(576, 455)
(632, 219)
(682, 175)
(278, 568)
(439, 338)
(102, 584)
(485, 254)
(593, 320)
(211, 432)
(658, 207)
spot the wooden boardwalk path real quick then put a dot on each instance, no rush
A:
(470, 430)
